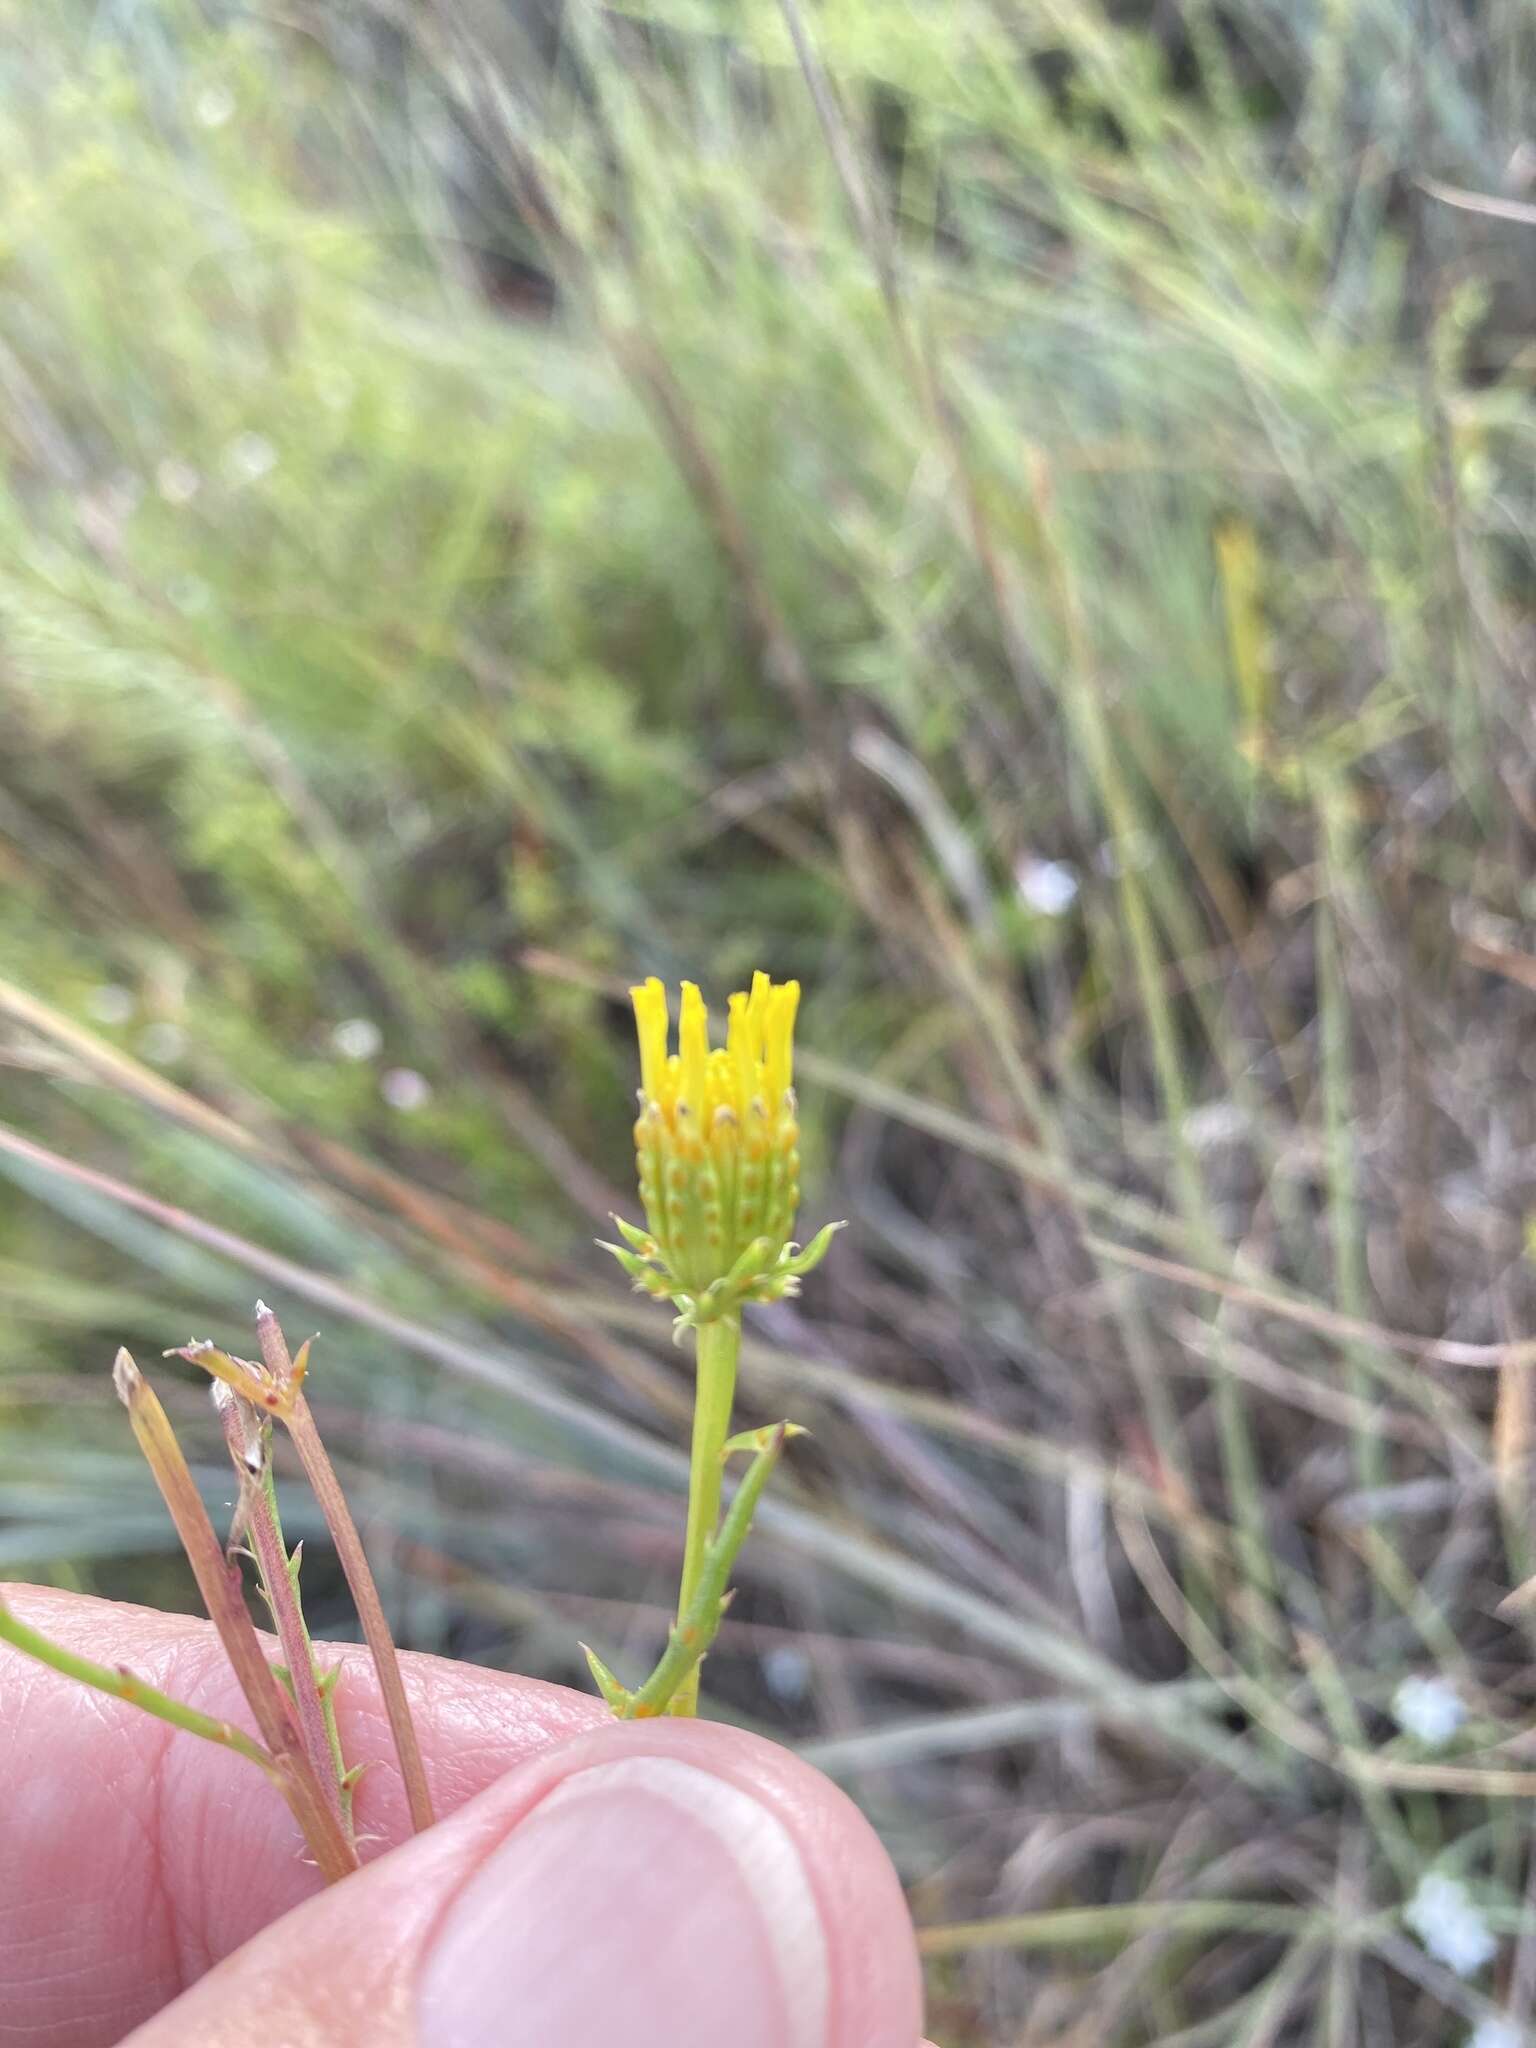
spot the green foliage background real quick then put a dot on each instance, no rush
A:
(1016, 513)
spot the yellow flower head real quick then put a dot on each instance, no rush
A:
(717, 1146)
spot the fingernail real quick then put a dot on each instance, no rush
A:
(643, 1901)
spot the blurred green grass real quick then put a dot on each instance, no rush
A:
(1018, 514)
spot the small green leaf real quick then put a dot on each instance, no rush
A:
(633, 1264)
(640, 1241)
(615, 1693)
(747, 1267)
(802, 1262)
(755, 1440)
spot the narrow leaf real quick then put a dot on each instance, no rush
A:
(613, 1691)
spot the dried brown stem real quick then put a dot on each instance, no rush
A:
(248, 1454)
(326, 1488)
(225, 1601)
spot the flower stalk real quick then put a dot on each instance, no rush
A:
(700, 1615)
(719, 1348)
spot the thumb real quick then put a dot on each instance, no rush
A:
(670, 1884)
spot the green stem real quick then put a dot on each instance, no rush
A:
(119, 1684)
(1089, 1926)
(719, 1346)
(250, 1449)
(699, 1622)
(324, 1682)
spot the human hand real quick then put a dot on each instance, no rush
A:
(667, 1884)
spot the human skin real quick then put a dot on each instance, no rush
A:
(674, 1884)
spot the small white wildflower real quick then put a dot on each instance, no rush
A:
(787, 1672)
(357, 1038)
(111, 1003)
(1430, 1709)
(162, 1043)
(1496, 2032)
(1048, 887)
(403, 1088)
(177, 481)
(1443, 1915)
(249, 457)
(214, 105)
(1216, 1123)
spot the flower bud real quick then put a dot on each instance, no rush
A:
(717, 1149)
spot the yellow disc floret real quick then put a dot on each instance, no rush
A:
(717, 1145)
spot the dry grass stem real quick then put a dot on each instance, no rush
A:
(220, 1587)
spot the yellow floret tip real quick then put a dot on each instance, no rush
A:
(650, 1001)
(755, 1067)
